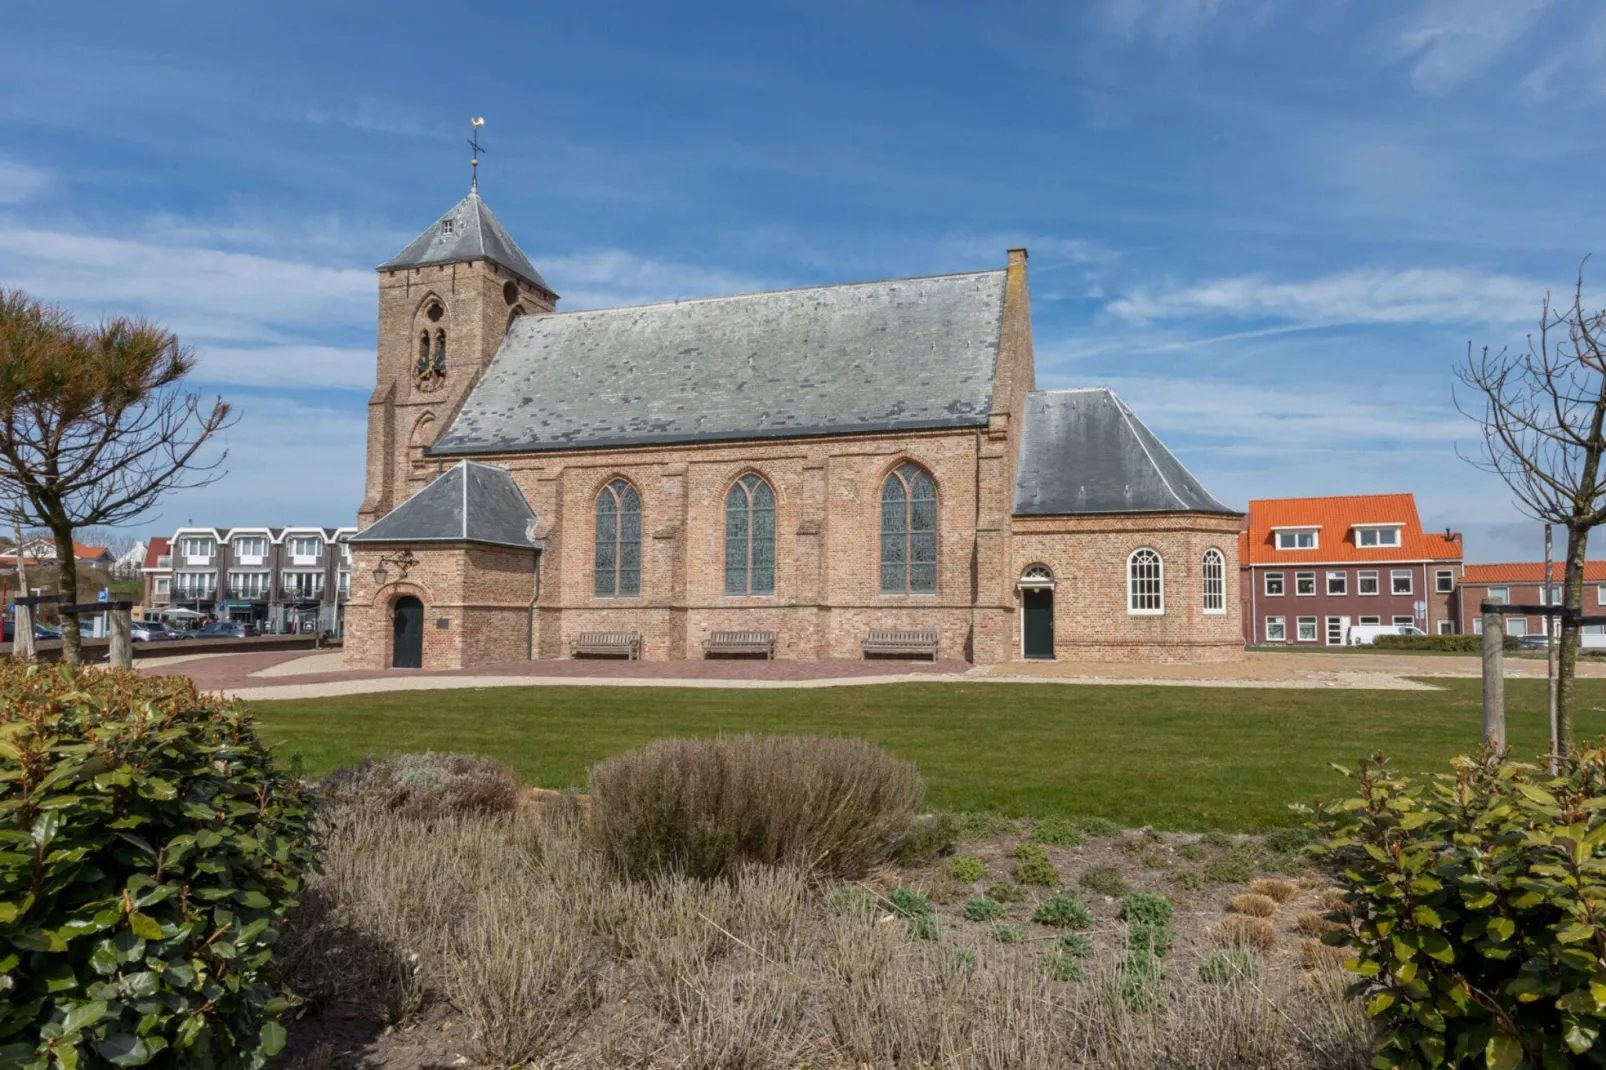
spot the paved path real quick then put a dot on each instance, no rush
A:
(305, 674)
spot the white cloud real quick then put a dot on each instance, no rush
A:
(1449, 42)
(299, 366)
(1164, 20)
(606, 277)
(19, 182)
(1572, 68)
(1422, 295)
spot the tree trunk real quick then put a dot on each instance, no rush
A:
(1573, 599)
(72, 643)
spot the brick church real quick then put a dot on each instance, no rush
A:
(810, 468)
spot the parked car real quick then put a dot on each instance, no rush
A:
(1533, 642)
(1364, 634)
(41, 632)
(227, 629)
(152, 631)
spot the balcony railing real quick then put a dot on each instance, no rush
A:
(194, 594)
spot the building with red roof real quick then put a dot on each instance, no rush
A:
(1312, 567)
(1521, 583)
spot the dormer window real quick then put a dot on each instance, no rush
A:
(1296, 538)
(446, 226)
(1382, 535)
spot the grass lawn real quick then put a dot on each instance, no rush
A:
(1174, 757)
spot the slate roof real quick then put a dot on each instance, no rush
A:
(1334, 518)
(471, 502)
(883, 356)
(475, 235)
(1083, 451)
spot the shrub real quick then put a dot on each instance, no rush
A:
(850, 900)
(1315, 955)
(921, 927)
(929, 835)
(1256, 906)
(703, 806)
(1289, 864)
(1074, 944)
(970, 825)
(1193, 852)
(983, 909)
(1063, 967)
(153, 850)
(907, 903)
(423, 786)
(1033, 867)
(1146, 907)
(1455, 644)
(1105, 880)
(1235, 867)
(1141, 980)
(1005, 892)
(1101, 827)
(1275, 890)
(1288, 839)
(1333, 901)
(1057, 832)
(1005, 933)
(1143, 936)
(1156, 860)
(1063, 912)
(1222, 967)
(1312, 923)
(965, 869)
(1188, 880)
(964, 957)
(1475, 909)
(1243, 933)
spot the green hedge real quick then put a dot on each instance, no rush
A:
(1459, 644)
(149, 850)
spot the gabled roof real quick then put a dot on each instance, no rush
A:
(883, 356)
(473, 234)
(159, 547)
(1335, 518)
(1083, 451)
(1528, 572)
(471, 502)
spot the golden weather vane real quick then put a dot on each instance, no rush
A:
(474, 162)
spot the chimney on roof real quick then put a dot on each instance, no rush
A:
(1017, 256)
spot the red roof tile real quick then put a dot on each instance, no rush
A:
(158, 548)
(1528, 572)
(1334, 518)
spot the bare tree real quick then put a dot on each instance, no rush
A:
(94, 428)
(1542, 412)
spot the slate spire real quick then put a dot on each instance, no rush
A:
(469, 231)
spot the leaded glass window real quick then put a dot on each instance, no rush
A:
(750, 537)
(617, 565)
(1215, 582)
(909, 532)
(1145, 583)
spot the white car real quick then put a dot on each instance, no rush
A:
(151, 631)
(1364, 634)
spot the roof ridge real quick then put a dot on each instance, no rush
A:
(1126, 414)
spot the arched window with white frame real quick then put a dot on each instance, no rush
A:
(1214, 575)
(1145, 583)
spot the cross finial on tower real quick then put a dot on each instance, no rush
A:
(474, 163)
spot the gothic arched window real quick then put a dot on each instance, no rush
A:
(1145, 583)
(617, 564)
(1214, 573)
(909, 532)
(750, 537)
(439, 367)
(423, 353)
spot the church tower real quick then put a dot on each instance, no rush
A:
(445, 302)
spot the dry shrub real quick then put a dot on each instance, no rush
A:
(1275, 890)
(424, 786)
(1314, 923)
(1332, 901)
(1256, 906)
(702, 807)
(1242, 933)
(1313, 954)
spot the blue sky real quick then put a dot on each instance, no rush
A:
(1272, 225)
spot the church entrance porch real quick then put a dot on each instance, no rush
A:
(407, 633)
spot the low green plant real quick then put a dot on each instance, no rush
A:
(1235, 867)
(972, 825)
(1075, 944)
(850, 900)
(1146, 907)
(1476, 910)
(150, 851)
(927, 836)
(1057, 832)
(966, 869)
(1156, 860)
(1218, 838)
(1224, 967)
(1144, 936)
(1287, 863)
(964, 957)
(1101, 827)
(908, 903)
(1063, 967)
(1005, 933)
(1063, 912)
(1188, 880)
(1105, 880)
(1005, 892)
(1033, 867)
(1193, 852)
(1288, 839)
(921, 927)
(982, 908)
(1141, 982)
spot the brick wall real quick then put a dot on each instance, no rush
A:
(1257, 605)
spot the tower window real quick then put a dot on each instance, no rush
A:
(446, 226)
(434, 312)
(510, 292)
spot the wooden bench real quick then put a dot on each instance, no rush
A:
(903, 641)
(606, 644)
(740, 643)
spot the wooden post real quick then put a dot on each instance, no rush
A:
(1552, 644)
(1494, 680)
(120, 624)
(22, 630)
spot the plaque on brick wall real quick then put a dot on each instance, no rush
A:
(443, 622)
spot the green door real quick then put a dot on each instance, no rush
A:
(1038, 605)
